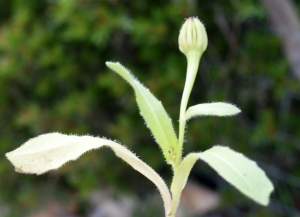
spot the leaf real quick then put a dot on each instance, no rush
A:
(152, 111)
(214, 109)
(50, 151)
(238, 170)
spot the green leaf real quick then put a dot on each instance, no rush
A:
(50, 151)
(238, 170)
(152, 111)
(213, 109)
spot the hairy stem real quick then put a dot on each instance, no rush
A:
(192, 67)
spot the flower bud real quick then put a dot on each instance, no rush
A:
(192, 43)
(192, 37)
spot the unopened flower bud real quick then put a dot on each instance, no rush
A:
(192, 43)
(192, 37)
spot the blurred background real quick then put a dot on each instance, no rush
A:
(53, 79)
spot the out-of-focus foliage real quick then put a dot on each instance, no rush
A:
(53, 78)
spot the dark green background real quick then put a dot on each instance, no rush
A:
(53, 78)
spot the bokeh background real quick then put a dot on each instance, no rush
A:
(53, 78)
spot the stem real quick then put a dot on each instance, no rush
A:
(172, 214)
(193, 62)
(193, 59)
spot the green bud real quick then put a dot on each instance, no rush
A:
(192, 37)
(192, 43)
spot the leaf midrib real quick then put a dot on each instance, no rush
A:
(156, 118)
(232, 167)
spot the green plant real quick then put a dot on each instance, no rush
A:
(50, 151)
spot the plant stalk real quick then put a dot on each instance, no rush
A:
(192, 67)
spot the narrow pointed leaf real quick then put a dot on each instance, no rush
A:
(152, 111)
(238, 170)
(50, 151)
(212, 109)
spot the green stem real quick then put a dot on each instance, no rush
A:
(175, 198)
(192, 67)
(193, 62)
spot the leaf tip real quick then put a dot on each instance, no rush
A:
(110, 63)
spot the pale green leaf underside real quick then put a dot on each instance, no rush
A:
(212, 109)
(50, 151)
(238, 170)
(152, 111)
